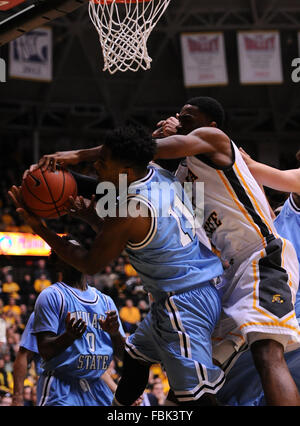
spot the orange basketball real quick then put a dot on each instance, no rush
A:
(46, 193)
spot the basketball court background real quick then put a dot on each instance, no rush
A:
(81, 101)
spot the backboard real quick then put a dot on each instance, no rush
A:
(20, 16)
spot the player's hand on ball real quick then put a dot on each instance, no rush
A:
(33, 221)
(75, 330)
(61, 158)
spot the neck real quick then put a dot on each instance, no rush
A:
(137, 176)
(81, 284)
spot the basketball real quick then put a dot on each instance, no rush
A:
(46, 193)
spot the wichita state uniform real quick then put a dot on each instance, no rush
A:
(261, 280)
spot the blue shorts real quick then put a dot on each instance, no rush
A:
(54, 391)
(177, 334)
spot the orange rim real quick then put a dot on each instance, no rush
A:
(117, 1)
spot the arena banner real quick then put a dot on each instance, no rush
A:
(22, 244)
(30, 56)
(10, 4)
(204, 59)
(260, 57)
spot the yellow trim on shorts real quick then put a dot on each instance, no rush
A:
(275, 322)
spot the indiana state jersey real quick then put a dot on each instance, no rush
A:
(170, 259)
(236, 213)
(287, 224)
(89, 356)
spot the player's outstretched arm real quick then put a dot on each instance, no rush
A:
(281, 180)
(108, 244)
(206, 140)
(23, 358)
(65, 159)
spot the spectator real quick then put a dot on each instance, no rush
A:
(3, 340)
(27, 292)
(41, 269)
(120, 265)
(130, 316)
(156, 396)
(11, 307)
(143, 308)
(41, 283)
(6, 219)
(6, 378)
(5, 399)
(28, 396)
(129, 270)
(10, 287)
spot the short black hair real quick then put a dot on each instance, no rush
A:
(70, 275)
(211, 107)
(133, 146)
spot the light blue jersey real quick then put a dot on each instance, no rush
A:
(171, 258)
(29, 342)
(178, 271)
(73, 376)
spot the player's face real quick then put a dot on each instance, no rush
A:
(108, 170)
(191, 118)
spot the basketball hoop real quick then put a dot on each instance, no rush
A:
(124, 27)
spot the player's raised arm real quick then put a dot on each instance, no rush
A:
(281, 180)
(65, 159)
(205, 140)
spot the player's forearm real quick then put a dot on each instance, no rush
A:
(49, 347)
(73, 255)
(89, 155)
(170, 147)
(106, 377)
(118, 342)
(19, 375)
(281, 180)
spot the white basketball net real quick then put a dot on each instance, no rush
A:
(124, 28)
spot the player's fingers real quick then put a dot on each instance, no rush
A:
(81, 202)
(92, 202)
(160, 123)
(15, 195)
(13, 198)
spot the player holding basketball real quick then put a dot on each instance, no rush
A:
(259, 293)
(173, 266)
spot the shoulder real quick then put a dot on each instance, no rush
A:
(51, 295)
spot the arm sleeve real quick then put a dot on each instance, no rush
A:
(47, 311)
(28, 339)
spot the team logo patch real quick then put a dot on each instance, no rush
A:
(277, 299)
